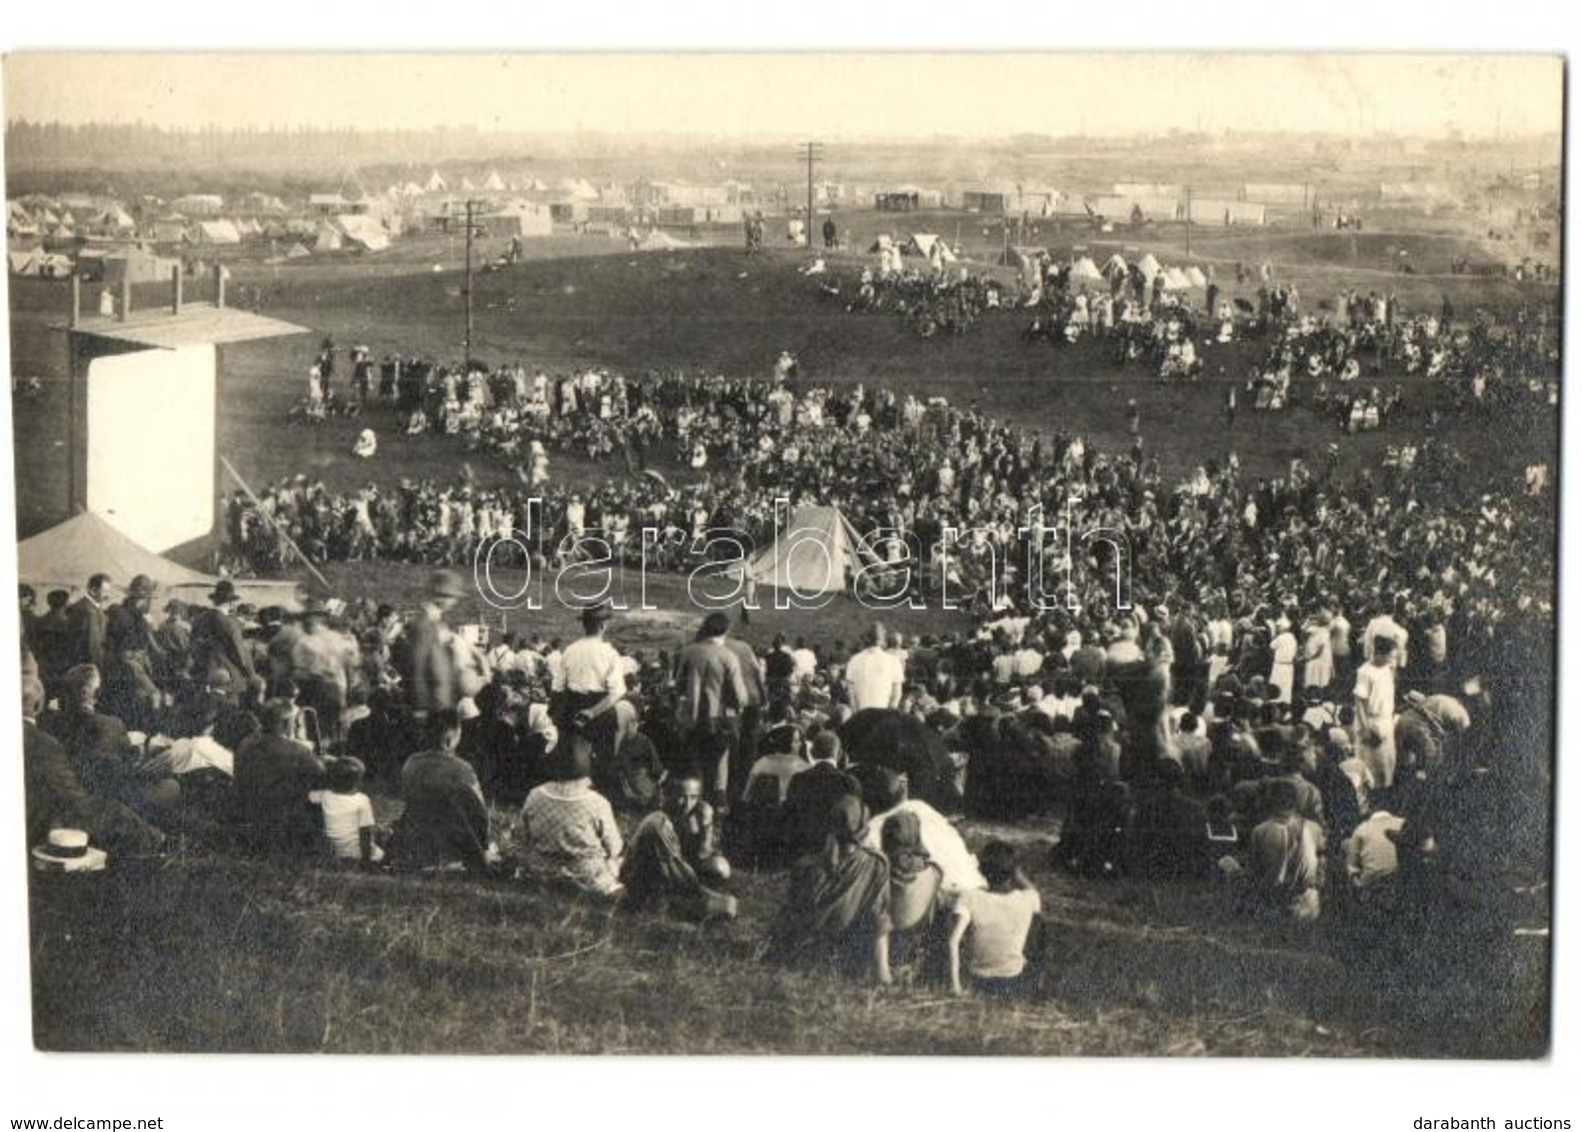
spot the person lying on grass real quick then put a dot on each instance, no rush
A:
(1001, 928)
(837, 908)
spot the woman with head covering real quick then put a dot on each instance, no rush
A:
(569, 828)
(837, 909)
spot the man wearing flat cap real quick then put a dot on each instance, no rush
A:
(221, 654)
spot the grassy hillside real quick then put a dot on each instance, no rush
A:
(208, 954)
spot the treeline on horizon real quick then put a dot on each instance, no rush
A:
(103, 157)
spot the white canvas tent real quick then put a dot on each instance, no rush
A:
(1195, 276)
(64, 556)
(436, 183)
(1115, 265)
(925, 243)
(1085, 269)
(38, 262)
(364, 231)
(578, 189)
(815, 554)
(297, 251)
(18, 222)
(216, 232)
(1148, 265)
(113, 220)
(328, 238)
(494, 183)
(1176, 280)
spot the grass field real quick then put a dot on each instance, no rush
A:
(214, 955)
(716, 311)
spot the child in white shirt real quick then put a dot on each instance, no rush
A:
(348, 814)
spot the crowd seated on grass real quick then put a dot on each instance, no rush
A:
(1297, 656)
(928, 302)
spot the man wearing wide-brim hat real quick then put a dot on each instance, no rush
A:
(220, 652)
(130, 652)
(422, 654)
(321, 662)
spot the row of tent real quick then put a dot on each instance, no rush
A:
(574, 188)
(924, 244)
(1175, 278)
(345, 233)
(43, 220)
(1085, 270)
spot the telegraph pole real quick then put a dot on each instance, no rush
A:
(815, 153)
(466, 290)
(1189, 220)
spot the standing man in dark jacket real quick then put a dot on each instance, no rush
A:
(709, 683)
(222, 657)
(88, 618)
(423, 655)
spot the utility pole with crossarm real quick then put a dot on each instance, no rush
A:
(815, 153)
(466, 288)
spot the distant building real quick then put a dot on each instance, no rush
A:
(199, 204)
(1147, 189)
(988, 199)
(1271, 192)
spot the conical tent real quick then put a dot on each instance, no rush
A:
(1176, 280)
(1115, 265)
(1148, 265)
(1196, 277)
(1085, 268)
(814, 554)
(925, 243)
(64, 556)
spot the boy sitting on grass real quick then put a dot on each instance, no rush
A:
(348, 814)
(1000, 926)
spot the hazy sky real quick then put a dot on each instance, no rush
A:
(821, 95)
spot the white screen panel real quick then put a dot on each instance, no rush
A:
(151, 443)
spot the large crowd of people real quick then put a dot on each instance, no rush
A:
(1314, 695)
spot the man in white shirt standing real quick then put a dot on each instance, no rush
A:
(591, 681)
(1375, 703)
(1385, 627)
(874, 677)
